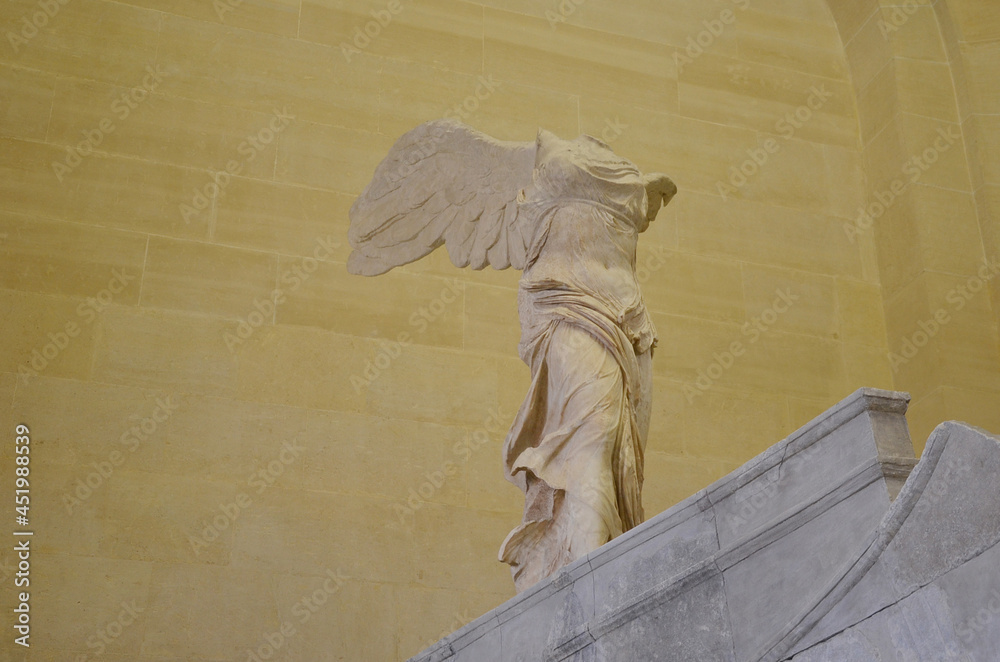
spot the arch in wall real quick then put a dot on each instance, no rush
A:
(914, 103)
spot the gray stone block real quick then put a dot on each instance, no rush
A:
(787, 576)
(683, 545)
(692, 626)
(824, 567)
(955, 515)
(972, 593)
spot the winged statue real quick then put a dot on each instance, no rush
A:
(568, 214)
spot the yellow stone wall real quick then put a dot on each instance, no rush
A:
(240, 453)
(924, 76)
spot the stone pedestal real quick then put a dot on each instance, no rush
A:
(830, 546)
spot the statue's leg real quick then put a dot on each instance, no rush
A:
(589, 529)
(644, 403)
(583, 428)
(566, 456)
(558, 528)
(630, 461)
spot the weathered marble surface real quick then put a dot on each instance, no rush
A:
(815, 551)
(568, 213)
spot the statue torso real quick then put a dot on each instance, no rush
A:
(588, 204)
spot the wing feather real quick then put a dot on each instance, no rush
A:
(490, 226)
(498, 254)
(442, 183)
(516, 242)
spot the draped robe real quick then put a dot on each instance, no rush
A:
(576, 445)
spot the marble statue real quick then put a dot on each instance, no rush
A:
(568, 214)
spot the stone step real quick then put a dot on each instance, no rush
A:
(788, 551)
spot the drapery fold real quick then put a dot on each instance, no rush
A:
(576, 445)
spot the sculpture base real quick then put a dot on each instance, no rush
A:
(824, 548)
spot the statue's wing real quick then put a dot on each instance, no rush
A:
(442, 183)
